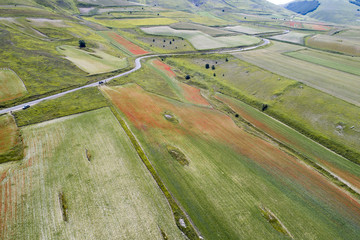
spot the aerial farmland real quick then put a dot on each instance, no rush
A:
(179, 120)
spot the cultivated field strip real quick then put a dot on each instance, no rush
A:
(111, 196)
(231, 175)
(322, 78)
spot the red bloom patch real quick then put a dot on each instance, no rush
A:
(164, 67)
(131, 47)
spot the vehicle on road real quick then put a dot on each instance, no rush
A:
(26, 107)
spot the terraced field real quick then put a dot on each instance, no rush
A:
(81, 178)
(93, 61)
(11, 86)
(232, 175)
(202, 41)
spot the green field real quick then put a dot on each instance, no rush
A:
(85, 100)
(11, 85)
(202, 41)
(321, 116)
(81, 178)
(335, 61)
(92, 61)
(40, 66)
(343, 168)
(336, 83)
(292, 37)
(232, 174)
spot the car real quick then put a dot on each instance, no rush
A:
(26, 107)
(101, 82)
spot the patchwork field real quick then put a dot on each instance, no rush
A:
(202, 41)
(124, 44)
(321, 116)
(131, 23)
(346, 170)
(212, 31)
(339, 62)
(11, 86)
(81, 178)
(230, 176)
(250, 29)
(336, 83)
(184, 92)
(292, 37)
(335, 44)
(94, 61)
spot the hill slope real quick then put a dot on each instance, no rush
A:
(336, 11)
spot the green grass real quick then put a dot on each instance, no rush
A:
(202, 41)
(310, 111)
(113, 196)
(298, 142)
(94, 61)
(80, 101)
(11, 85)
(42, 68)
(335, 61)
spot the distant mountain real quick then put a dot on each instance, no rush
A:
(336, 11)
(303, 7)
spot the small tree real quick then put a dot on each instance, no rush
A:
(213, 67)
(264, 107)
(82, 44)
(226, 60)
(214, 74)
(207, 66)
(187, 77)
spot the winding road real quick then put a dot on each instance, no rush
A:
(137, 67)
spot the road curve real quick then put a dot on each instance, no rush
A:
(137, 67)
